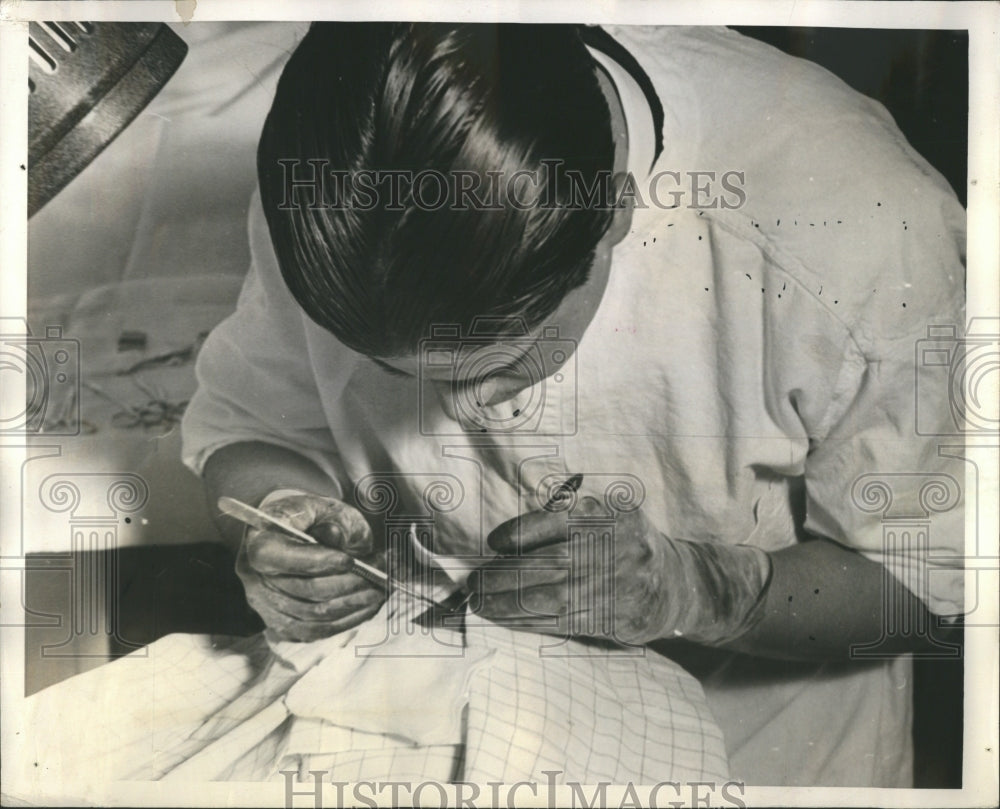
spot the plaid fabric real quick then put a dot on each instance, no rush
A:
(185, 709)
(591, 714)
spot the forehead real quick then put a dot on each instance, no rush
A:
(468, 359)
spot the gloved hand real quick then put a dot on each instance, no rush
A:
(305, 592)
(633, 589)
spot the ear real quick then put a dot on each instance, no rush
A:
(621, 221)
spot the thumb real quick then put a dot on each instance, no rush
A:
(342, 527)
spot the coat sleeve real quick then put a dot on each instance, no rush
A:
(255, 378)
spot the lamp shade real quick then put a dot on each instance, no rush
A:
(86, 82)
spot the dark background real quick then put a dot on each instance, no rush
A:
(922, 78)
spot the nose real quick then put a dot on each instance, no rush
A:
(464, 403)
(483, 391)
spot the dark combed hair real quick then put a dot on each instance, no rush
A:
(408, 97)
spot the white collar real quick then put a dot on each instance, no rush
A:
(638, 117)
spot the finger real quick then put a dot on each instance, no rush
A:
(297, 510)
(328, 534)
(577, 559)
(538, 529)
(533, 602)
(530, 531)
(322, 612)
(547, 610)
(280, 613)
(320, 588)
(272, 553)
(527, 572)
(330, 522)
(338, 525)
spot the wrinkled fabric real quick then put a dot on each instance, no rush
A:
(390, 700)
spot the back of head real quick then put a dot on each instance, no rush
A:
(510, 108)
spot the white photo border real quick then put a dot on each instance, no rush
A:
(981, 20)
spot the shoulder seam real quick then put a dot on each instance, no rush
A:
(784, 261)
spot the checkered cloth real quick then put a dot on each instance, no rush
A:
(503, 706)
